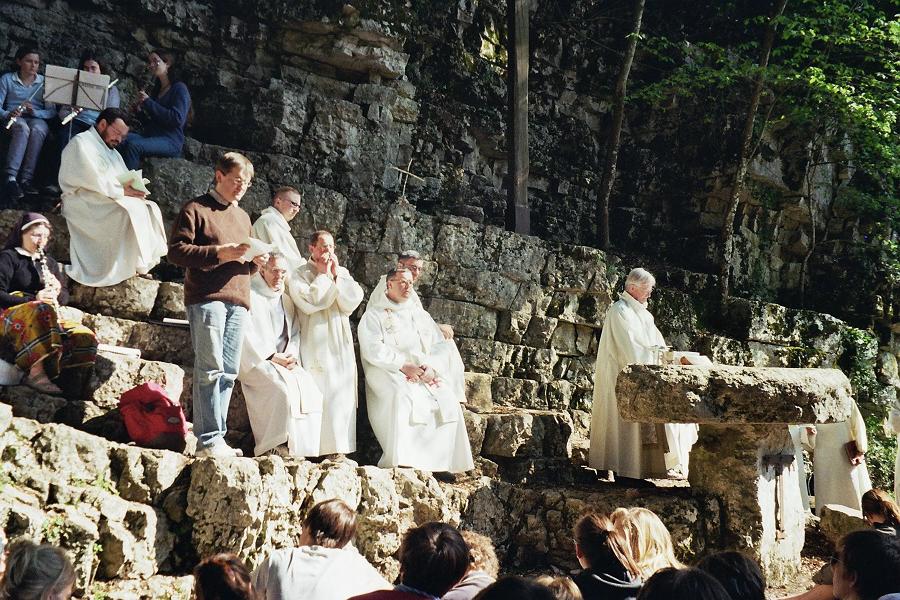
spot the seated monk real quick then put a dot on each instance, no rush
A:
(414, 383)
(283, 402)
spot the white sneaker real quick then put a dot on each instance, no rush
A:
(219, 449)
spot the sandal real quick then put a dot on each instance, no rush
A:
(42, 384)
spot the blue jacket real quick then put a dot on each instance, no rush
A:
(13, 93)
(167, 114)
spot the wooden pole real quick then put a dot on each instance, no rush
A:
(518, 212)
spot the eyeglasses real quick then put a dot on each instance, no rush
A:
(244, 183)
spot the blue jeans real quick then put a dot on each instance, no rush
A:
(217, 330)
(136, 146)
(28, 135)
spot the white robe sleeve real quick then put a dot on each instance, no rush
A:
(350, 293)
(82, 168)
(624, 340)
(372, 347)
(858, 428)
(315, 296)
(895, 416)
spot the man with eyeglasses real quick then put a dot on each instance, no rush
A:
(273, 225)
(114, 231)
(209, 240)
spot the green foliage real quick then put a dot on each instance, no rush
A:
(881, 454)
(52, 530)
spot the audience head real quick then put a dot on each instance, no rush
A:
(866, 566)
(287, 201)
(330, 524)
(90, 62)
(28, 61)
(112, 125)
(31, 233)
(412, 260)
(562, 588)
(433, 558)
(275, 272)
(234, 175)
(682, 584)
(223, 577)
(321, 245)
(399, 282)
(879, 507)
(601, 548)
(649, 540)
(515, 588)
(482, 556)
(36, 572)
(739, 574)
(639, 284)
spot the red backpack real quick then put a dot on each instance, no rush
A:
(152, 419)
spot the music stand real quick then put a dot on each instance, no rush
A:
(72, 87)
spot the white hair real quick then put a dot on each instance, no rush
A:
(640, 278)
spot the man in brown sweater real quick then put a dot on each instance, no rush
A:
(208, 239)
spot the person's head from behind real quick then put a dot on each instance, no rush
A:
(412, 260)
(515, 588)
(112, 126)
(650, 541)
(37, 572)
(601, 548)
(866, 566)
(682, 584)
(275, 272)
(482, 555)
(433, 558)
(639, 284)
(330, 524)
(562, 588)
(234, 175)
(287, 201)
(223, 577)
(739, 574)
(879, 507)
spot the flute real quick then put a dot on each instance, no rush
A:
(47, 276)
(14, 115)
(135, 107)
(77, 111)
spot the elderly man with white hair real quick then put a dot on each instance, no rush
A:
(630, 449)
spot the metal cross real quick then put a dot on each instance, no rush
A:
(403, 179)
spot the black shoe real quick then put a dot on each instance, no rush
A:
(28, 189)
(11, 193)
(51, 190)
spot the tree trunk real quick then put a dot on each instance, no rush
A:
(518, 212)
(615, 133)
(745, 155)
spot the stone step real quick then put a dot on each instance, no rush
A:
(136, 298)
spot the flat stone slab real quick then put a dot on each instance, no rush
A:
(734, 395)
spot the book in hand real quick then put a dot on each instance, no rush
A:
(853, 452)
(136, 179)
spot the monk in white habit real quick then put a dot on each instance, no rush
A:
(283, 402)
(273, 225)
(114, 231)
(838, 480)
(327, 295)
(632, 449)
(414, 383)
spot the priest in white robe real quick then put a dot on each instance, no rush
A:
(283, 401)
(414, 383)
(274, 225)
(327, 295)
(115, 232)
(633, 449)
(837, 479)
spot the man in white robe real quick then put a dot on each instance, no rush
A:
(283, 402)
(630, 449)
(273, 225)
(327, 295)
(837, 480)
(115, 232)
(414, 383)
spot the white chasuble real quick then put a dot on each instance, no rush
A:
(272, 228)
(837, 481)
(326, 348)
(112, 236)
(629, 335)
(417, 425)
(284, 405)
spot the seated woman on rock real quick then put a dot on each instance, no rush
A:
(54, 353)
(164, 113)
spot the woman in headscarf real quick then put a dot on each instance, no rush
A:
(54, 354)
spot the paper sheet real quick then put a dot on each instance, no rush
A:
(136, 179)
(257, 248)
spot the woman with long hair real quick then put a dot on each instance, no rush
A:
(36, 572)
(609, 571)
(164, 112)
(881, 512)
(649, 540)
(54, 354)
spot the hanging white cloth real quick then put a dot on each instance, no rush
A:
(326, 349)
(271, 227)
(284, 405)
(418, 425)
(111, 236)
(629, 337)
